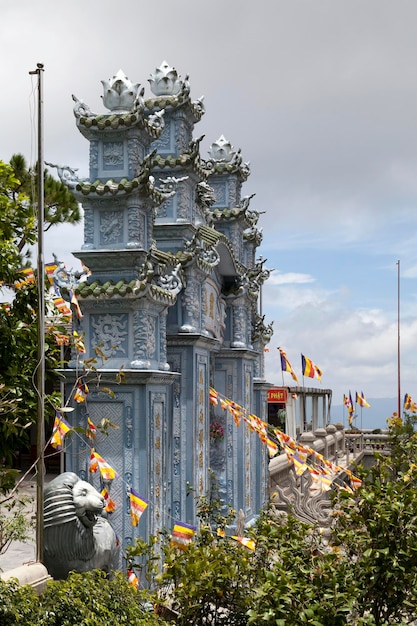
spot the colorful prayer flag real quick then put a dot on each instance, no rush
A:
(28, 276)
(409, 404)
(110, 505)
(50, 269)
(310, 369)
(60, 429)
(361, 400)
(91, 430)
(81, 391)
(133, 580)
(286, 366)
(182, 534)
(98, 463)
(213, 396)
(245, 541)
(74, 302)
(137, 506)
(78, 343)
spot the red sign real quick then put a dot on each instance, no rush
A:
(277, 395)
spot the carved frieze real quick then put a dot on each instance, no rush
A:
(110, 333)
(137, 228)
(113, 152)
(145, 333)
(111, 227)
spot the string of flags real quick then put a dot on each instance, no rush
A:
(302, 457)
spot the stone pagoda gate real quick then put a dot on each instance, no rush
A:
(172, 303)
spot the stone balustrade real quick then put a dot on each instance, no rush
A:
(336, 445)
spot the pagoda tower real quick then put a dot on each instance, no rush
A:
(169, 309)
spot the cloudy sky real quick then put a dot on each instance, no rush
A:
(321, 97)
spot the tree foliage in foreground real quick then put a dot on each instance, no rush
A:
(88, 599)
(18, 321)
(363, 573)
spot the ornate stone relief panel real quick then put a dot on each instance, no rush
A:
(249, 443)
(110, 332)
(158, 462)
(112, 159)
(110, 227)
(220, 192)
(178, 443)
(145, 336)
(137, 225)
(214, 309)
(201, 434)
(165, 144)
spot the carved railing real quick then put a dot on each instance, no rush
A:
(361, 443)
(341, 448)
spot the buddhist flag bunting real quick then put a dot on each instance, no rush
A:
(286, 366)
(182, 535)
(300, 465)
(137, 506)
(310, 369)
(28, 276)
(213, 396)
(81, 391)
(245, 541)
(98, 463)
(272, 447)
(93, 467)
(78, 343)
(110, 505)
(60, 429)
(61, 338)
(133, 580)
(50, 269)
(74, 302)
(409, 404)
(91, 430)
(361, 400)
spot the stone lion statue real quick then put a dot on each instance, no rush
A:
(76, 535)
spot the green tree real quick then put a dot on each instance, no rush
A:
(377, 530)
(18, 321)
(60, 205)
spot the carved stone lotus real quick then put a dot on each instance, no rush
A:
(222, 150)
(165, 81)
(120, 93)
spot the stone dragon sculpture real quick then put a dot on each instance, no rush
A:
(76, 536)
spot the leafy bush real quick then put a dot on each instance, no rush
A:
(90, 599)
(18, 605)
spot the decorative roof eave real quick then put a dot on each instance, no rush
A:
(218, 168)
(153, 125)
(196, 107)
(185, 160)
(126, 289)
(225, 214)
(142, 184)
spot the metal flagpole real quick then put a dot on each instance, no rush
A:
(398, 341)
(40, 441)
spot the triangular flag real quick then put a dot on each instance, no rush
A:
(137, 506)
(60, 429)
(182, 534)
